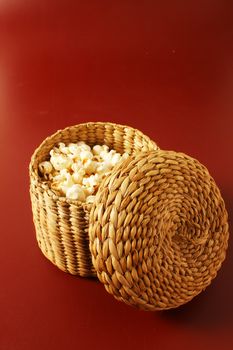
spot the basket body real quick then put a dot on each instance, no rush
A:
(61, 224)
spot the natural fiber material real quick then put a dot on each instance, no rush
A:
(158, 230)
(62, 224)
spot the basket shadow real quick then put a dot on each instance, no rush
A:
(214, 307)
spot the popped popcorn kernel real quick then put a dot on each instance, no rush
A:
(60, 161)
(77, 177)
(76, 192)
(85, 155)
(97, 149)
(45, 167)
(76, 170)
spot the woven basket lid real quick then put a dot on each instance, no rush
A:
(158, 230)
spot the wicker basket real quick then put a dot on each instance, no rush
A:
(157, 232)
(62, 224)
(163, 236)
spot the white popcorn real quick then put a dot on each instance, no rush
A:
(97, 149)
(77, 177)
(104, 167)
(63, 182)
(98, 177)
(105, 148)
(74, 149)
(90, 181)
(63, 148)
(55, 150)
(85, 155)
(61, 187)
(81, 143)
(89, 190)
(116, 158)
(97, 159)
(103, 155)
(76, 192)
(77, 166)
(45, 167)
(107, 156)
(61, 176)
(69, 180)
(76, 170)
(90, 166)
(60, 161)
(85, 148)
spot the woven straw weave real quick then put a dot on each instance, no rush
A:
(158, 230)
(62, 224)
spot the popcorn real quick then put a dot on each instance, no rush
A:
(85, 148)
(63, 148)
(74, 149)
(78, 166)
(89, 190)
(107, 156)
(77, 177)
(81, 143)
(105, 148)
(45, 167)
(90, 181)
(61, 176)
(104, 167)
(76, 170)
(63, 182)
(85, 155)
(90, 166)
(60, 161)
(76, 192)
(116, 159)
(97, 149)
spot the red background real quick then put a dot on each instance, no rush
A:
(165, 67)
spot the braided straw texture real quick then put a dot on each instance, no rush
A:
(62, 224)
(158, 230)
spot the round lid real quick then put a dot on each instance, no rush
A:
(158, 230)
